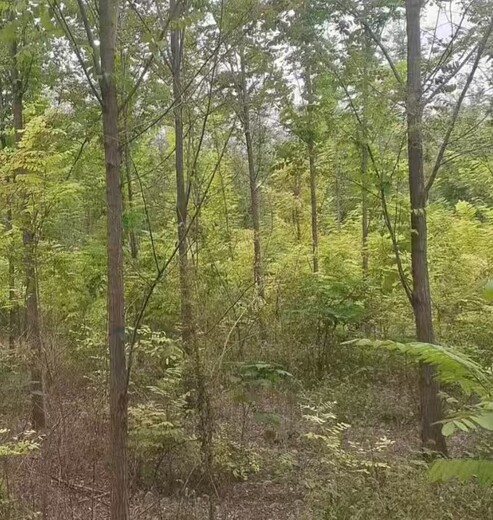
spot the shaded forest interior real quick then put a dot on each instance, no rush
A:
(246, 259)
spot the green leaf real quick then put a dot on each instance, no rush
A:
(485, 421)
(448, 428)
(462, 469)
(462, 426)
(488, 291)
(453, 367)
(8, 32)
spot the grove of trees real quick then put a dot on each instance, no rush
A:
(246, 259)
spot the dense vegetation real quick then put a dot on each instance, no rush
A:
(245, 259)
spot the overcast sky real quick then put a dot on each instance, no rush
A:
(443, 17)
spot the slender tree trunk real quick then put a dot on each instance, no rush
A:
(176, 46)
(313, 169)
(338, 197)
(13, 310)
(33, 328)
(364, 156)
(119, 507)
(252, 177)
(296, 210)
(431, 405)
(134, 247)
(189, 339)
(364, 211)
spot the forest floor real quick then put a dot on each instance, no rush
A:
(305, 462)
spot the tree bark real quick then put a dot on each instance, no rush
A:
(252, 177)
(33, 328)
(364, 155)
(13, 310)
(313, 169)
(431, 405)
(119, 507)
(338, 195)
(296, 199)
(134, 246)
(364, 211)
(176, 47)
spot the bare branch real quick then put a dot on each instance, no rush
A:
(62, 21)
(376, 39)
(90, 38)
(448, 49)
(146, 211)
(451, 76)
(161, 272)
(148, 62)
(438, 163)
(385, 211)
(78, 156)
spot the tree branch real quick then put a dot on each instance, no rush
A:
(164, 267)
(438, 163)
(385, 211)
(448, 49)
(66, 29)
(376, 39)
(90, 38)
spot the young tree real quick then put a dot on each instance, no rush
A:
(176, 51)
(251, 80)
(104, 68)
(108, 18)
(431, 405)
(308, 52)
(19, 79)
(419, 188)
(245, 118)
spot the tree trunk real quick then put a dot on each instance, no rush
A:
(431, 405)
(364, 211)
(189, 339)
(313, 170)
(134, 247)
(338, 195)
(364, 155)
(13, 310)
(119, 507)
(176, 47)
(33, 328)
(252, 177)
(296, 210)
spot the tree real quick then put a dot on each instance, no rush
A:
(419, 188)
(309, 53)
(33, 324)
(108, 18)
(252, 83)
(431, 405)
(177, 50)
(104, 69)
(245, 118)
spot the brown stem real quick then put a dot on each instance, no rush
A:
(431, 404)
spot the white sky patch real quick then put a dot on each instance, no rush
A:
(442, 18)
